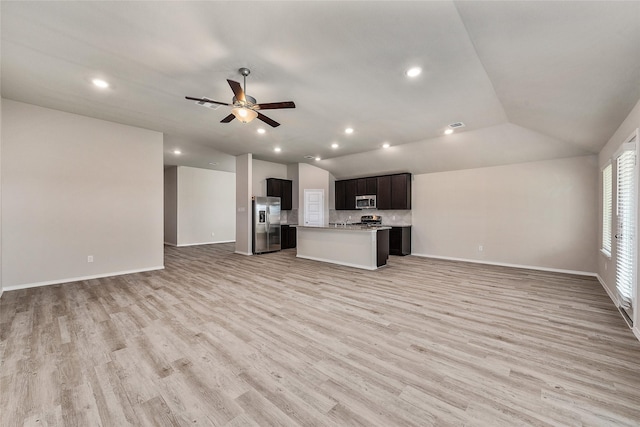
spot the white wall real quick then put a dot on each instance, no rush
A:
(1, 288)
(312, 178)
(171, 206)
(540, 214)
(74, 186)
(206, 206)
(263, 170)
(606, 266)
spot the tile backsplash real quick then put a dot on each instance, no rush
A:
(389, 217)
(289, 217)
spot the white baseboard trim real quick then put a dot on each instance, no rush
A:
(613, 297)
(243, 253)
(204, 243)
(503, 264)
(616, 302)
(78, 279)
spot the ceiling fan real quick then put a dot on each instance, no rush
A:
(244, 107)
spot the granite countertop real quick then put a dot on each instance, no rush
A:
(340, 227)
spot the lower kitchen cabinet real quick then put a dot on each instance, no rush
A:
(382, 247)
(400, 240)
(288, 237)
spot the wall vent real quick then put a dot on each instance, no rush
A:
(456, 125)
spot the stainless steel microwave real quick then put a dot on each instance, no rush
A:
(365, 202)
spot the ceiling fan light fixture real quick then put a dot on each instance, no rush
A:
(245, 115)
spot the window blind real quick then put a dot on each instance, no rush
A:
(625, 254)
(606, 208)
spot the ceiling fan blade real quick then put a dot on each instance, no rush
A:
(268, 121)
(237, 90)
(228, 118)
(205, 100)
(276, 105)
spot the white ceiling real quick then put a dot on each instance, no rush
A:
(531, 80)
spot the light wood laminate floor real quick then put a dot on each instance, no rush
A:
(220, 339)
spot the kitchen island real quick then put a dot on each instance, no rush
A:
(350, 245)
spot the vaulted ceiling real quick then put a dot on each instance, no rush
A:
(530, 80)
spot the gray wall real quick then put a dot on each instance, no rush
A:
(312, 178)
(74, 186)
(1, 288)
(540, 214)
(263, 170)
(206, 206)
(171, 205)
(244, 181)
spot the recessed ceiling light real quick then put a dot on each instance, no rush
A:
(177, 152)
(100, 83)
(386, 145)
(318, 159)
(448, 131)
(277, 149)
(261, 130)
(414, 72)
(348, 130)
(334, 145)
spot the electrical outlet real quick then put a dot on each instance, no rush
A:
(90, 258)
(349, 216)
(213, 234)
(393, 217)
(480, 248)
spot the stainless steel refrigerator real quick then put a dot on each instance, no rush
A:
(266, 224)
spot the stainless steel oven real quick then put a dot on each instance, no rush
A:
(365, 202)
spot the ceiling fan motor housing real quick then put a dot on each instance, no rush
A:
(249, 102)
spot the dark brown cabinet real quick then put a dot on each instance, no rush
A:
(384, 192)
(367, 186)
(288, 237)
(400, 240)
(282, 188)
(382, 247)
(391, 191)
(401, 191)
(340, 196)
(351, 188)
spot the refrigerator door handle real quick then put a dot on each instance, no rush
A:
(268, 217)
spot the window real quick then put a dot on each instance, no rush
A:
(626, 227)
(606, 209)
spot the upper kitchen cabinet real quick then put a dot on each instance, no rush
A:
(345, 194)
(282, 188)
(340, 195)
(367, 186)
(384, 192)
(401, 191)
(391, 191)
(350, 193)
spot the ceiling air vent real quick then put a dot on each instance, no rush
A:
(207, 104)
(456, 125)
(309, 157)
